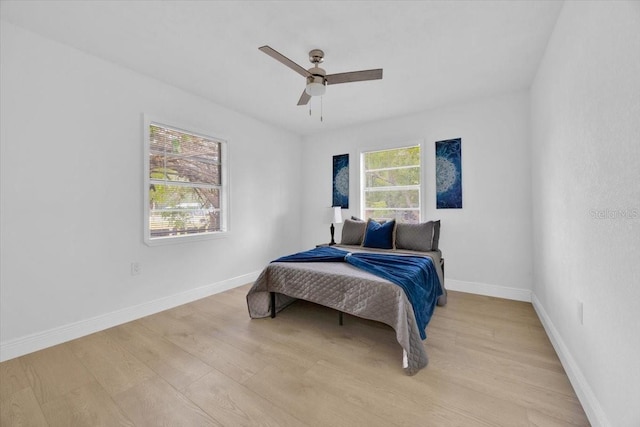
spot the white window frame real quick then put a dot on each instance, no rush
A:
(149, 120)
(393, 146)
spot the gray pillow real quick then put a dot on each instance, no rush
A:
(353, 232)
(436, 235)
(423, 237)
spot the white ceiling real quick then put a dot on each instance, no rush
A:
(433, 52)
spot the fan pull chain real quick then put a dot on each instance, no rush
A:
(321, 108)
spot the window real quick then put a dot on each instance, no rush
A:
(185, 184)
(390, 184)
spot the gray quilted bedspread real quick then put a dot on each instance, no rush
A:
(346, 288)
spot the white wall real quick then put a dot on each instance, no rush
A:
(71, 142)
(487, 244)
(586, 164)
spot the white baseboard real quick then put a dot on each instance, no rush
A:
(592, 408)
(516, 294)
(34, 342)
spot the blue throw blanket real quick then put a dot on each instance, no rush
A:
(414, 274)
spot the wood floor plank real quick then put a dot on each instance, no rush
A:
(430, 388)
(234, 404)
(513, 369)
(462, 398)
(309, 400)
(54, 372)
(12, 378)
(114, 367)
(541, 359)
(21, 409)
(539, 419)
(89, 405)
(178, 367)
(493, 383)
(392, 405)
(195, 334)
(455, 325)
(155, 403)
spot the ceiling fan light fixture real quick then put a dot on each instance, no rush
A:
(316, 89)
(316, 86)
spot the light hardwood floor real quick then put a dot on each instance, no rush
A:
(207, 363)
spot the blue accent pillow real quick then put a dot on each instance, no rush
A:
(379, 235)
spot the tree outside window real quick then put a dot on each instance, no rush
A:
(391, 184)
(185, 183)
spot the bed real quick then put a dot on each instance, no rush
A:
(350, 289)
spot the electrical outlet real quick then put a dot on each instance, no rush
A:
(581, 312)
(136, 269)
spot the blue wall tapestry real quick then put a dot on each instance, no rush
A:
(449, 174)
(341, 181)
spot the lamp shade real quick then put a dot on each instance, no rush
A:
(337, 215)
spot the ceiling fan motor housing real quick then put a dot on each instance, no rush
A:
(316, 79)
(317, 72)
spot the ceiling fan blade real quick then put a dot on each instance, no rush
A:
(354, 76)
(304, 98)
(286, 61)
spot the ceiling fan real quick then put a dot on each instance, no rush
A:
(317, 78)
